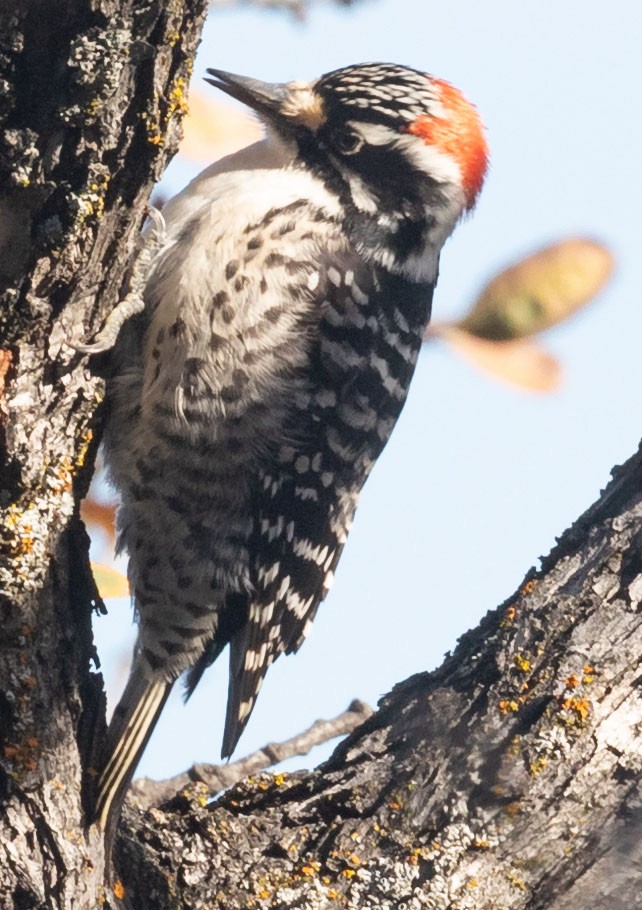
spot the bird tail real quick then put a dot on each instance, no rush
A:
(243, 690)
(129, 730)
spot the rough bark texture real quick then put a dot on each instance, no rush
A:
(91, 96)
(509, 778)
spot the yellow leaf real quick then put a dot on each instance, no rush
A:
(214, 128)
(519, 363)
(110, 582)
(540, 290)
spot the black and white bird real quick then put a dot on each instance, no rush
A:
(250, 399)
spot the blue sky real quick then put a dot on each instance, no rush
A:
(478, 479)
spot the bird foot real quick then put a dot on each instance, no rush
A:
(134, 302)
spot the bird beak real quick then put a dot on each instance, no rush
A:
(265, 98)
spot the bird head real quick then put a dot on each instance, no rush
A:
(405, 151)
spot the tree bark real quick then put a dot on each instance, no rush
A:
(508, 778)
(91, 98)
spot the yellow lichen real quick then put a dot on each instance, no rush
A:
(580, 708)
(152, 125)
(538, 765)
(522, 663)
(589, 674)
(60, 476)
(20, 523)
(509, 617)
(517, 882)
(177, 98)
(85, 441)
(176, 104)
(481, 844)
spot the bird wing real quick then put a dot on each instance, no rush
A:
(361, 363)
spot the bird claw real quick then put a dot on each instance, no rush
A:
(134, 302)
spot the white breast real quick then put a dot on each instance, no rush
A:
(220, 294)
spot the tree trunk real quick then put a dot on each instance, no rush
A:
(91, 97)
(508, 778)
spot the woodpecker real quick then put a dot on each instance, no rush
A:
(283, 316)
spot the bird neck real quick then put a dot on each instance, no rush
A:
(399, 225)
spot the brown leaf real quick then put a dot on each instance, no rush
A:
(519, 363)
(99, 514)
(213, 128)
(6, 359)
(540, 290)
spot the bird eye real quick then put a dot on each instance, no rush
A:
(346, 141)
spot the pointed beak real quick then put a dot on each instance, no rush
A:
(263, 97)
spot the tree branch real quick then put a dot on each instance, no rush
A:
(148, 792)
(299, 9)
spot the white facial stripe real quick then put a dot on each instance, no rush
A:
(427, 157)
(363, 199)
(372, 133)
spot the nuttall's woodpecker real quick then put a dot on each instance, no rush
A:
(250, 399)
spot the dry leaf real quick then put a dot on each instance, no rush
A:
(101, 514)
(540, 290)
(213, 128)
(519, 363)
(110, 582)
(6, 359)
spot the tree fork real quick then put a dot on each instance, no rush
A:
(508, 778)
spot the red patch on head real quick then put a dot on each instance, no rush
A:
(459, 134)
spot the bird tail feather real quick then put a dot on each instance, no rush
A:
(129, 731)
